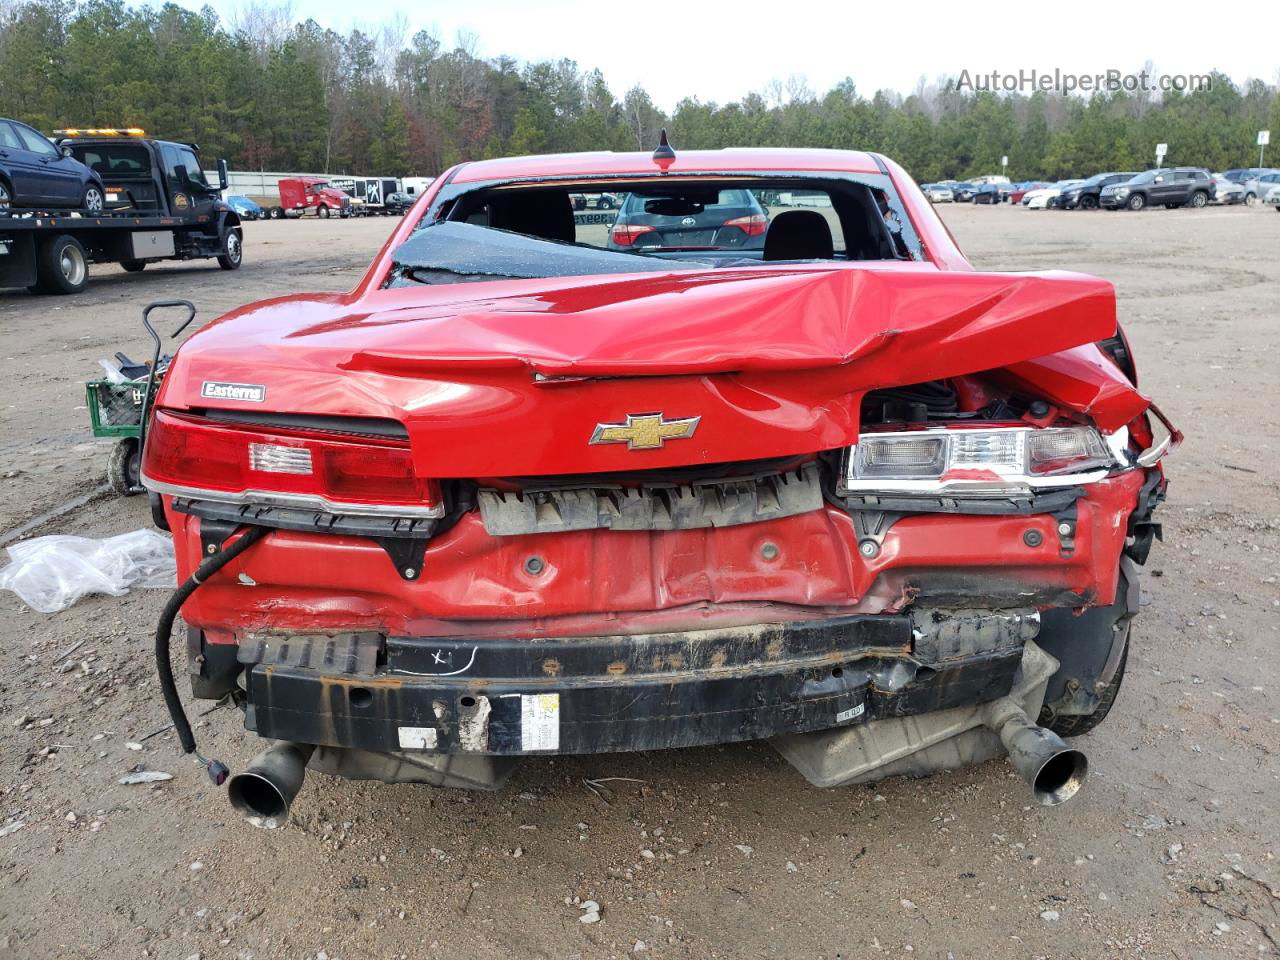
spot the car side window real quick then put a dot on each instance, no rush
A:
(35, 142)
(9, 137)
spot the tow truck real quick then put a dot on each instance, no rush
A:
(159, 206)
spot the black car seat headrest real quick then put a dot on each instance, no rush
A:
(798, 235)
(547, 214)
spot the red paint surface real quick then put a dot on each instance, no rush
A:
(696, 578)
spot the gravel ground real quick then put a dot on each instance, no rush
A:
(1168, 852)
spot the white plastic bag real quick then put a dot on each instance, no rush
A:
(52, 573)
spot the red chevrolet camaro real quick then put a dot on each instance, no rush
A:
(756, 454)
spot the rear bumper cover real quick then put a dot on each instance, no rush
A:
(635, 692)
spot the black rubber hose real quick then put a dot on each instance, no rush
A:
(211, 565)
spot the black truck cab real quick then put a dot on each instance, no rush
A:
(148, 177)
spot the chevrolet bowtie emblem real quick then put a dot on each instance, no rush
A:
(645, 431)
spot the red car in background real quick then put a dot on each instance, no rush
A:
(517, 494)
(1016, 195)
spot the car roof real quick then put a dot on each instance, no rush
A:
(609, 164)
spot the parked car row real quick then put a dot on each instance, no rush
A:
(1129, 190)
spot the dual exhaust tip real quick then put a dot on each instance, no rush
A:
(1054, 771)
(265, 791)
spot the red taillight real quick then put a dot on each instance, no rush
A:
(186, 454)
(753, 225)
(625, 234)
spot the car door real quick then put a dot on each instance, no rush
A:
(1183, 184)
(22, 166)
(59, 178)
(1197, 180)
(1161, 188)
(190, 196)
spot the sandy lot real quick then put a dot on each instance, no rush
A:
(1170, 851)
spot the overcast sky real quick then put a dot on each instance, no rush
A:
(721, 51)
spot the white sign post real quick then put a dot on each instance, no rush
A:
(1161, 150)
(1264, 138)
(1004, 166)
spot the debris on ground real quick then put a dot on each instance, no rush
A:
(51, 573)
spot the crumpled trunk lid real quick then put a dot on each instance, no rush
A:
(516, 378)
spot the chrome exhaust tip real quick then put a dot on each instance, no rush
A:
(265, 791)
(1054, 771)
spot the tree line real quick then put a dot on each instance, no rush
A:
(268, 93)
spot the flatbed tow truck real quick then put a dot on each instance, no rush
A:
(158, 207)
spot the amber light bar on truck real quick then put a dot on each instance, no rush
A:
(186, 456)
(976, 461)
(101, 132)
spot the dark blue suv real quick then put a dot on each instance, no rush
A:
(35, 173)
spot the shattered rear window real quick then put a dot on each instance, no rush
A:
(549, 228)
(446, 252)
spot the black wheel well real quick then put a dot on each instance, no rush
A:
(227, 221)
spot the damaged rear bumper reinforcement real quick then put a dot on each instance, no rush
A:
(508, 697)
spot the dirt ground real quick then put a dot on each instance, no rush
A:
(1170, 850)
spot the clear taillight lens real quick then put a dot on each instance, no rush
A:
(899, 456)
(273, 458)
(1065, 450)
(974, 458)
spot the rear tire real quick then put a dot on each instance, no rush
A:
(62, 266)
(232, 249)
(1088, 203)
(1251, 199)
(1074, 726)
(92, 200)
(123, 467)
(6, 198)
(134, 266)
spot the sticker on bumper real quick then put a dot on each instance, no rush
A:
(853, 713)
(417, 738)
(540, 721)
